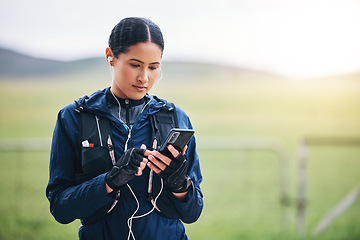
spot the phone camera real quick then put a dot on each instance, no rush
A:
(174, 136)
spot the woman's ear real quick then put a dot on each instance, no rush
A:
(109, 56)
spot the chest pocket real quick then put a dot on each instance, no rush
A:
(94, 134)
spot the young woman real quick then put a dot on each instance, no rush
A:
(107, 187)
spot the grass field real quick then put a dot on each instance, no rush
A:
(241, 188)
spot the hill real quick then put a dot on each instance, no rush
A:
(14, 64)
(17, 65)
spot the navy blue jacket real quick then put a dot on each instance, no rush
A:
(69, 201)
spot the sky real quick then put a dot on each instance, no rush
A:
(295, 38)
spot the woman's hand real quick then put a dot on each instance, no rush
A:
(131, 164)
(159, 162)
(172, 170)
(143, 163)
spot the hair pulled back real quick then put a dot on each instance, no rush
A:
(133, 30)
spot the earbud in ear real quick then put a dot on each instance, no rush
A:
(110, 59)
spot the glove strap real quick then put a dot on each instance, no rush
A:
(185, 187)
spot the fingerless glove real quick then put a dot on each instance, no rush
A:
(174, 175)
(125, 168)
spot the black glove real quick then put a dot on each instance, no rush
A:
(125, 168)
(174, 175)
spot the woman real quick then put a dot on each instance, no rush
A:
(111, 195)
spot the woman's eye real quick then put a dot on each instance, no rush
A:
(153, 68)
(134, 65)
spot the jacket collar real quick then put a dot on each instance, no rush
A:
(111, 98)
(97, 103)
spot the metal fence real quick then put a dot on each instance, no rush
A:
(21, 187)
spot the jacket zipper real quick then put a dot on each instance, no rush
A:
(127, 101)
(127, 107)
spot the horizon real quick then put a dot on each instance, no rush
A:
(191, 61)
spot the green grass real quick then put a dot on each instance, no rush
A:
(24, 208)
(241, 188)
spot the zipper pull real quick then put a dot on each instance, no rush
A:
(98, 128)
(127, 102)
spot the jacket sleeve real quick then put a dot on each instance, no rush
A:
(68, 201)
(191, 208)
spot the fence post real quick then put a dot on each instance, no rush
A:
(302, 187)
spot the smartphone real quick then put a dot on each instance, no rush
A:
(177, 137)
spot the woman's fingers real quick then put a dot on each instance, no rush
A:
(158, 162)
(153, 167)
(142, 163)
(184, 150)
(173, 151)
(142, 166)
(159, 157)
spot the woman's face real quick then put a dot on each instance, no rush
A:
(135, 72)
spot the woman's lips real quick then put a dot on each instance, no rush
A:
(140, 88)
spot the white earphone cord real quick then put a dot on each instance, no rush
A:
(129, 221)
(157, 82)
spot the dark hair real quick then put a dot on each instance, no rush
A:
(133, 30)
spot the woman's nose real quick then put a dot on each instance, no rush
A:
(143, 77)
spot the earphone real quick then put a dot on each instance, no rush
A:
(110, 63)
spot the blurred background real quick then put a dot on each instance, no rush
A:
(272, 89)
